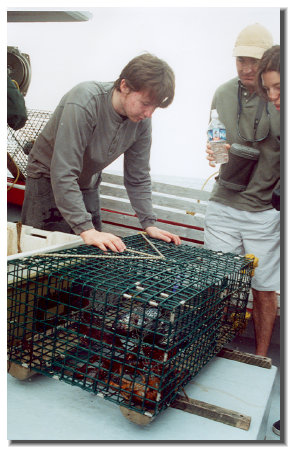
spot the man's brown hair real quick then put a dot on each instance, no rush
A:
(152, 75)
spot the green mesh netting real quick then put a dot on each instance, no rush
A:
(133, 330)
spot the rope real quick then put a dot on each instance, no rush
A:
(202, 188)
(141, 255)
(153, 246)
(17, 176)
(18, 228)
(148, 257)
(17, 85)
(207, 180)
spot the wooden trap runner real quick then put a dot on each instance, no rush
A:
(204, 409)
(244, 357)
(212, 412)
(216, 413)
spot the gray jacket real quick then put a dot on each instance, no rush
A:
(84, 135)
(266, 175)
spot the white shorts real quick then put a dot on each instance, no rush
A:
(243, 232)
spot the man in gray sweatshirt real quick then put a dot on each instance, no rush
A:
(95, 123)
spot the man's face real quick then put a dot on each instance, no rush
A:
(136, 105)
(247, 69)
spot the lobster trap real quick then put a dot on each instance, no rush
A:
(20, 142)
(133, 328)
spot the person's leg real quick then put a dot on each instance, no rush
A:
(221, 231)
(261, 235)
(39, 209)
(264, 314)
(91, 198)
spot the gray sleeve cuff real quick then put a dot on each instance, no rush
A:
(83, 227)
(148, 223)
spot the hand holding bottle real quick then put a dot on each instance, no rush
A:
(216, 134)
(210, 154)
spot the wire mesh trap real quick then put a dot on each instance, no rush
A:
(20, 142)
(133, 328)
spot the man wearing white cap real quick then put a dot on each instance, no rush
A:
(240, 217)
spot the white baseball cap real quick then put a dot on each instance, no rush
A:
(253, 41)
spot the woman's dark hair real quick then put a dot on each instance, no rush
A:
(269, 62)
(151, 74)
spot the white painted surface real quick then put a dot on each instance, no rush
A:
(45, 409)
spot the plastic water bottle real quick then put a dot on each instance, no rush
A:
(217, 138)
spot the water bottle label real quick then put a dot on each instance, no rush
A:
(216, 134)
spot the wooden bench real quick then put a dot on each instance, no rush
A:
(179, 210)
